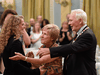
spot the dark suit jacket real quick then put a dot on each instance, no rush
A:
(28, 31)
(81, 60)
(16, 67)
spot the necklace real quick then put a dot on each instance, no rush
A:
(80, 34)
(50, 46)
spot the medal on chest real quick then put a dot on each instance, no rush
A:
(80, 34)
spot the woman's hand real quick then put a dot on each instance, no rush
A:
(69, 36)
(63, 35)
(68, 33)
(30, 54)
(62, 38)
(18, 56)
(42, 71)
(34, 41)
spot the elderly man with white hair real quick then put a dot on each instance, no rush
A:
(80, 52)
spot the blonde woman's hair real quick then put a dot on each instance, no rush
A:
(9, 29)
(34, 28)
(53, 31)
(80, 14)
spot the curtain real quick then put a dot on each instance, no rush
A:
(65, 10)
(33, 8)
(92, 8)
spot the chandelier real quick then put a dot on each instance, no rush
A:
(7, 4)
(63, 3)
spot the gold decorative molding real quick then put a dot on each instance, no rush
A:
(8, 4)
(58, 1)
(65, 11)
(63, 3)
(52, 11)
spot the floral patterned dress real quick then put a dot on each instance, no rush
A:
(54, 67)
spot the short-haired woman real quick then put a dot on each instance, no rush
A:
(52, 66)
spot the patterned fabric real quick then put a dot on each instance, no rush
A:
(98, 68)
(54, 67)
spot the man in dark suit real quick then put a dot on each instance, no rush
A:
(32, 22)
(29, 30)
(80, 52)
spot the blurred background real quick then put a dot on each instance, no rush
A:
(55, 10)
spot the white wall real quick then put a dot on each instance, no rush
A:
(57, 14)
(19, 6)
(75, 4)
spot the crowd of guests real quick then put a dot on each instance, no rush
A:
(16, 35)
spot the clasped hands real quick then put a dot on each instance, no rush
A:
(19, 56)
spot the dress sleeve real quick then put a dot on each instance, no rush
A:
(21, 67)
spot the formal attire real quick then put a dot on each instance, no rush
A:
(80, 53)
(54, 67)
(65, 40)
(29, 30)
(29, 33)
(16, 67)
(35, 36)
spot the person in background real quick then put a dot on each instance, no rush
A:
(39, 19)
(65, 35)
(52, 66)
(26, 26)
(32, 23)
(5, 16)
(81, 51)
(67, 17)
(44, 22)
(36, 36)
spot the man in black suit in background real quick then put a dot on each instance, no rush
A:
(29, 30)
(32, 22)
(81, 51)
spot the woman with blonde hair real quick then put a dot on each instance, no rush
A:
(9, 44)
(52, 66)
(35, 36)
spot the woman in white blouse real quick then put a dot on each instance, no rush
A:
(35, 36)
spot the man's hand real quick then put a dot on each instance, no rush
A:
(43, 51)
